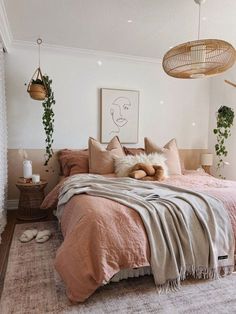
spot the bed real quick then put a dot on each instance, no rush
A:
(106, 241)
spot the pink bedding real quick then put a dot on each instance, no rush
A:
(102, 237)
(222, 189)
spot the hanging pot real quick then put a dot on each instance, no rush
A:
(37, 91)
(37, 87)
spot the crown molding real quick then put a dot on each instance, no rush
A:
(5, 30)
(10, 43)
(84, 52)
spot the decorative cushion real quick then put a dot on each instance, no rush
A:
(133, 151)
(124, 165)
(169, 151)
(101, 160)
(51, 199)
(73, 161)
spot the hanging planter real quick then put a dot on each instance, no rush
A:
(37, 87)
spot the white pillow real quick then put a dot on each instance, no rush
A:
(124, 164)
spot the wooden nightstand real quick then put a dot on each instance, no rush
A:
(31, 197)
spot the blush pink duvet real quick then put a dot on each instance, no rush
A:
(101, 236)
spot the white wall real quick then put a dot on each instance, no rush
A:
(76, 82)
(223, 94)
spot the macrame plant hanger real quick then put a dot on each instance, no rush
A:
(37, 87)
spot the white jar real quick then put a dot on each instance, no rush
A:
(35, 178)
(27, 169)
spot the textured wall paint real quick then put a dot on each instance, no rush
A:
(223, 94)
(168, 107)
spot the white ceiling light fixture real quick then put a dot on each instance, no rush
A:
(199, 58)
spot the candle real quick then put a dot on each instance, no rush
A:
(35, 178)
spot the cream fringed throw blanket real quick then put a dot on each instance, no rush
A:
(189, 233)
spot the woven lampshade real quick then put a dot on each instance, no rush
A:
(199, 58)
(207, 159)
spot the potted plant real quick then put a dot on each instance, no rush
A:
(48, 118)
(37, 89)
(224, 121)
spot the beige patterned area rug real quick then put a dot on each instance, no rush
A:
(33, 287)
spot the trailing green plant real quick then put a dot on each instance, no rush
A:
(224, 121)
(48, 119)
(37, 81)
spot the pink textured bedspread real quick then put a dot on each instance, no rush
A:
(102, 237)
(222, 189)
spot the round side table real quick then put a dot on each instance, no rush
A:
(31, 197)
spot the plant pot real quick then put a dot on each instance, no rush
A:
(37, 92)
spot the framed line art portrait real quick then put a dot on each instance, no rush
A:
(119, 115)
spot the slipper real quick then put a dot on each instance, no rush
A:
(28, 235)
(43, 236)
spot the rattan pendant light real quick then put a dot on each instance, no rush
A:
(199, 58)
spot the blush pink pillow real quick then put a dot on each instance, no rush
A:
(133, 151)
(73, 161)
(101, 160)
(51, 199)
(171, 153)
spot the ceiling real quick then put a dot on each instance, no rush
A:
(103, 24)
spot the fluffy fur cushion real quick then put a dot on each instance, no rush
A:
(124, 165)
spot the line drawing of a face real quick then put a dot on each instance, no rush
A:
(118, 111)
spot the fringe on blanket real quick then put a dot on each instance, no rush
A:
(197, 273)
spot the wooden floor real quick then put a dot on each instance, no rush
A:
(6, 241)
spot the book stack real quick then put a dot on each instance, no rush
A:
(24, 180)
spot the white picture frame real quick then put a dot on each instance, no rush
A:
(119, 115)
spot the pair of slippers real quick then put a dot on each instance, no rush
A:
(40, 236)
